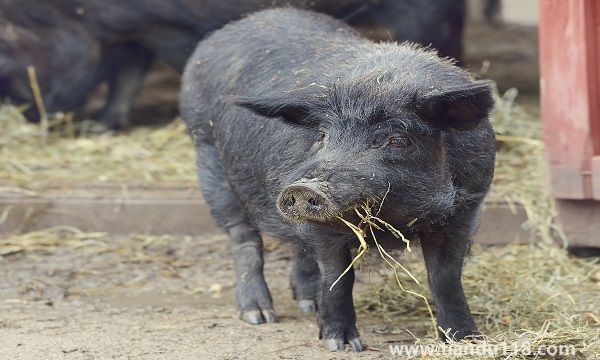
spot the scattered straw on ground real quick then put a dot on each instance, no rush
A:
(519, 294)
(49, 239)
(144, 155)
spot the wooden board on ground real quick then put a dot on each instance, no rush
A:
(120, 209)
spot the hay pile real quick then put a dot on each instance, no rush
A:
(521, 175)
(30, 160)
(518, 293)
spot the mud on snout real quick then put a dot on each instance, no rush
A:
(307, 200)
(313, 200)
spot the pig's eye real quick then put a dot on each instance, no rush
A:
(399, 141)
(322, 136)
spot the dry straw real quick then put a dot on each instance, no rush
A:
(39, 101)
(144, 155)
(368, 223)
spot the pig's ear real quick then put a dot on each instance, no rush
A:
(291, 111)
(462, 107)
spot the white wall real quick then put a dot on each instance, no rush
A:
(524, 12)
(520, 11)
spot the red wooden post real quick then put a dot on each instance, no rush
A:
(570, 90)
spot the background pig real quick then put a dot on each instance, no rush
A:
(296, 119)
(438, 23)
(65, 56)
(77, 44)
(69, 60)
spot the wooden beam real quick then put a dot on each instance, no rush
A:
(177, 211)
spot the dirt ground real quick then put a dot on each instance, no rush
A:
(163, 298)
(173, 297)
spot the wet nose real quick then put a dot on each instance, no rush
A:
(304, 200)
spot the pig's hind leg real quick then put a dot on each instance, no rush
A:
(305, 278)
(253, 296)
(444, 253)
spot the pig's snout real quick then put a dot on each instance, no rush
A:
(305, 200)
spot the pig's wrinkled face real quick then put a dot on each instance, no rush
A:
(356, 162)
(389, 155)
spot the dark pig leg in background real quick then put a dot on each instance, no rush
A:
(253, 296)
(126, 67)
(444, 253)
(492, 10)
(7, 67)
(305, 278)
(337, 318)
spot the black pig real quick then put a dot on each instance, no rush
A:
(439, 23)
(297, 119)
(77, 44)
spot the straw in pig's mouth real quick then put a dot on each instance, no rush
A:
(367, 226)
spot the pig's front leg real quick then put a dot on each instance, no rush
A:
(253, 296)
(444, 253)
(337, 319)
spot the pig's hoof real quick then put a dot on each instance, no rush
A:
(339, 334)
(114, 121)
(470, 335)
(93, 127)
(467, 335)
(357, 344)
(334, 344)
(338, 344)
(256, 317)
(269, 315)
(307, 306)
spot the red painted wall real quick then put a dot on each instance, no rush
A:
(570, 84)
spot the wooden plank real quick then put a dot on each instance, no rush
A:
(579, 220)
(113, 209)
(177, 211)
(501, 223)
